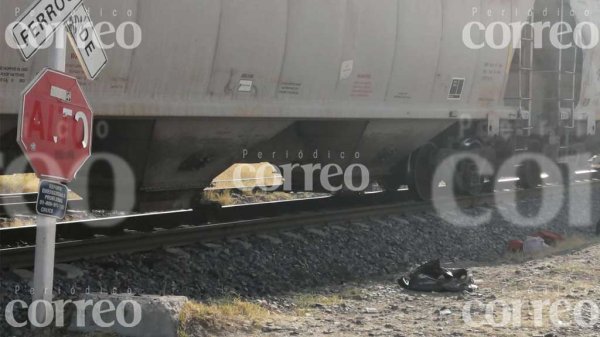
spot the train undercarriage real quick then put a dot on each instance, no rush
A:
(166, 163)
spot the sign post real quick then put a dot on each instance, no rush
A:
(55, 121)
(55, 133)
(45, 239)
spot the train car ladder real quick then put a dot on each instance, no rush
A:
(566, 104)
(526, 75)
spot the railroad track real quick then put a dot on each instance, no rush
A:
(135, 241)
(15, 203)
(143, 232)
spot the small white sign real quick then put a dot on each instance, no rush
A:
(60, 93)
(86, 43)
(346, 69)
(39, 22)
(245, 86)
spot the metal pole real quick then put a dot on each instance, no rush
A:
(43, 274)
(58, 56)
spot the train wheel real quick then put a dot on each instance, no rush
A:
(422, 165)
(530, 175)
(467, 180)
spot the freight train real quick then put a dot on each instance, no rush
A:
(193, 86)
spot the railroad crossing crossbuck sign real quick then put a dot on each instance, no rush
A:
(55, 126)
(43, 18)
(39, 22)
(86, 43)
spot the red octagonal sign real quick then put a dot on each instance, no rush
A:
(55, 126)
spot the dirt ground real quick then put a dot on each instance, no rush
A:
(556, 295)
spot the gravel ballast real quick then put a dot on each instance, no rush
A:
(315, 256)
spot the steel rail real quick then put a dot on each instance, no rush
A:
(182, 236)
(190, 232)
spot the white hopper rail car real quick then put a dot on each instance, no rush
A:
(392, 82)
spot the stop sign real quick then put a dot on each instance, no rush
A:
(55, 125)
